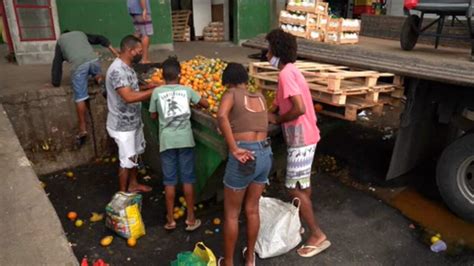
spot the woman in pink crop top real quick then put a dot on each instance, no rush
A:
(298, 120)
(243, 120)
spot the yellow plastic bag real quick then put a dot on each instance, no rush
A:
(205, 254)
(135, 222)
(123, 215)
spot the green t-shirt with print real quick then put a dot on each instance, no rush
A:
(172, 103)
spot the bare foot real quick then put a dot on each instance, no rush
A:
(139, 188)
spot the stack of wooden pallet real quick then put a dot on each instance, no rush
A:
(310, 19)
(214, 32)
(181, 30)
(341, 90)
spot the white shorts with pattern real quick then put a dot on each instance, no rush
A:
(298, 168)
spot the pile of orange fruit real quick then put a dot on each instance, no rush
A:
(202, 74)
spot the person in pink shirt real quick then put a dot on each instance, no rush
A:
(298, 119)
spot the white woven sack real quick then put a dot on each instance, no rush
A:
(279, 227)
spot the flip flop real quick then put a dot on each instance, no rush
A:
(191, 227)
(315, 249)
(244, 250)
(81, 138)
(170, 227)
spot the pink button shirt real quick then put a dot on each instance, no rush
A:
(302, 131)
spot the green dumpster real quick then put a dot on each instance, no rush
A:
(210, 151)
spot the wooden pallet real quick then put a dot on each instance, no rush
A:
(337, 85)
(347, 110)
(258, 67)
(180, 20)
(332, 79)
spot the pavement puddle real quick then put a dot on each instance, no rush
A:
(435, 217)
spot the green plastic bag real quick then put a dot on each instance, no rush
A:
(188, 259)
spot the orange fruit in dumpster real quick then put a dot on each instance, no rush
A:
(72, 216)
(69, 174)
(176, 216)
(176, 209)
(106, 241)
(131, 242)
(318, 108)
(216, 221)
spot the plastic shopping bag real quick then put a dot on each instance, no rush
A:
(279, 227)
(205, 254)
(410, 4)
(188, 258)
(123, 215)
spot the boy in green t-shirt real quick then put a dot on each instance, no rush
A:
(171, 103)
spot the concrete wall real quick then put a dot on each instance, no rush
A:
(31, 52)
(45, 123)
(31, 231)
(110, 18)
(251, 18)
(395, 8)
(389, 27)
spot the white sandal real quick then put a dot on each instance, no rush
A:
(315, 250)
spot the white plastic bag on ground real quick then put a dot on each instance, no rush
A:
(279, 227)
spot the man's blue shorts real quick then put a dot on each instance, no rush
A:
(80, 78)
(178, 160)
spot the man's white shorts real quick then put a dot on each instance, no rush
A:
(130, 145)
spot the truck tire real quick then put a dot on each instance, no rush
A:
(455, 176)
(410, 32)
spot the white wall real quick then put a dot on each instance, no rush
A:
(202, 15)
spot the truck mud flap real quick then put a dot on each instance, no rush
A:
(417, 129)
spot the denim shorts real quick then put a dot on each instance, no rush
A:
(178, 160)
(239, 175)
(80, 79)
